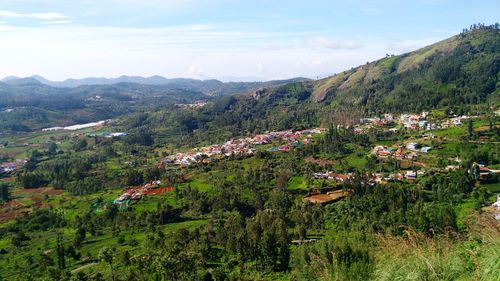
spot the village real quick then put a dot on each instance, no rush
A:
(411, 121)
(407, 151)
(243, 146)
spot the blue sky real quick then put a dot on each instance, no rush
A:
(224, 39)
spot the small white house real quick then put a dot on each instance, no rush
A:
(413, 146)
(497, 204)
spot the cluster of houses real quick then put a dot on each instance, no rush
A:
(400, 153)
(9, 167)
(339, 178)
(134, 194)
(408, 151)
(243, 146)
(371, 179)
(413, 121)
(195, 104)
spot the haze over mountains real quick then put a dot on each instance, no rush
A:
(153, 80)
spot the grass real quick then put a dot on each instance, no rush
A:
(297, 182)
(463, 211)
(416, 257)
(493, 187)
(198, 182)
(356, 161)
(494, 167)
(452, 132)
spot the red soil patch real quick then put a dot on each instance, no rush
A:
(484, 128)
(41, 190)
(14, 204)
(159, 190)
(8, 216)
(15, 207)
(10, 179)
(37, 201)
(328, 197)
(52, 191)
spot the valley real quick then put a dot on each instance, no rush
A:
(387, 171)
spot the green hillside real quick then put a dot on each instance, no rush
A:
(462, 69)
(459, 74)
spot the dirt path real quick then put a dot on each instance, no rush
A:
(83, 267)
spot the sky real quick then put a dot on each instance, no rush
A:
(222, 39)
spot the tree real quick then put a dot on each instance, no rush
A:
(52, 148)
(106, 255)
(80, 236)
(125, 257)
(470, 130)
(81, 144)
(4, 193)
(80, 276)
(61, 259)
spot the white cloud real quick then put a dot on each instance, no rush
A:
(332, 43)
(39, 16)
(196, 72)
(199, 51)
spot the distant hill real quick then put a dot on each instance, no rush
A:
(34, 102)
(209, 87)
(22, 81)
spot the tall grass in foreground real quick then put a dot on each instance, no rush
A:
(472, 256)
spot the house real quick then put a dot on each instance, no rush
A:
(484, 172)
(452, 167)
(383, 153)
(412, 146)
(122, 199)
(423, 123)
(117, 135)
(343, 177)
(426, 149)
(497, 203)
(412, 175)
(273, 149)
(136, 196)
(284, 148)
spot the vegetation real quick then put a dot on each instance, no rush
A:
(245, 217)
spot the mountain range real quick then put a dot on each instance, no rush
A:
(462, 70)
(153, 80)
